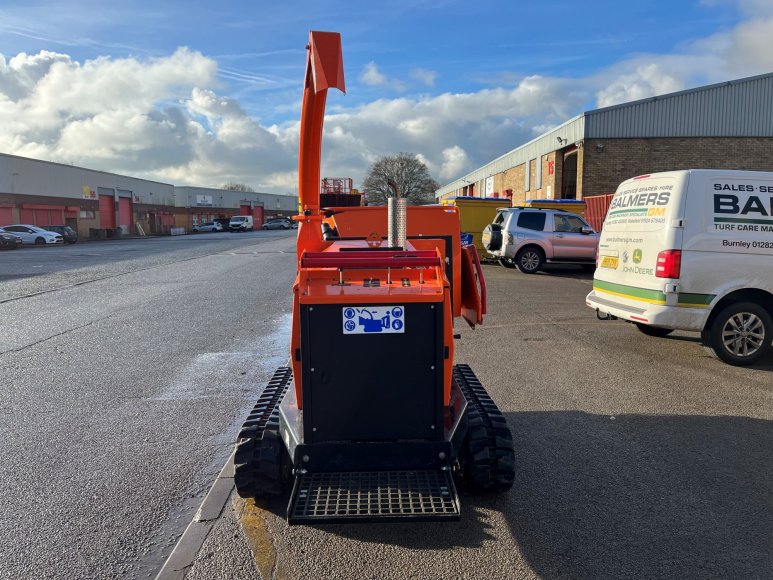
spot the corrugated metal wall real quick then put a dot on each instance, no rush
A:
(570, 132)
(742, 108)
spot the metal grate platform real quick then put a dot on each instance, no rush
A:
(373, 496)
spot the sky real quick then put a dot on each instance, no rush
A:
(204, 93)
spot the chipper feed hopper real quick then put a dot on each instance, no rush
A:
(371, 420)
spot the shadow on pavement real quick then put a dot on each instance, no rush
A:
(642, 496)
(470, 532)
(628, 496)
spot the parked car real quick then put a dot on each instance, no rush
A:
(208, 227)
(69, 234)
(241, 223)
(277, 224)
(223, 223)
(9, 241)
(527, 238)
(34, 235)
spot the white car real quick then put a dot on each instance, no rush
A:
(33, 234)
(208, 227)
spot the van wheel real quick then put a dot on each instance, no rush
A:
(506, 262)
(653, 330)
(740, 334)
(529, 260)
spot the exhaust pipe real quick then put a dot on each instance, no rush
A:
(396, 217)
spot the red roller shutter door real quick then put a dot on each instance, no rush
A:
(27, 216)
(106, 212)
(257, 217)
(6, 216)
(125, 212)
(42, 217)
(245, 210)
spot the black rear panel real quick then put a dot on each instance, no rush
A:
(372, 387)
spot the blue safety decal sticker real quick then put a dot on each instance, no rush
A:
(374, 320)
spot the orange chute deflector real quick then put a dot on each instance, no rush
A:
(324, 70)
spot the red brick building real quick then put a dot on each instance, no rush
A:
(723, 126)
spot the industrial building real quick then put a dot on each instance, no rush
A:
(96, 203)
(722, 126)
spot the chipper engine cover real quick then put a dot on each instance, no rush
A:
(371, 420)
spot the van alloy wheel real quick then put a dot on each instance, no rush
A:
(741, 334)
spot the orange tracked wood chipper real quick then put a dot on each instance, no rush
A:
(372, 420)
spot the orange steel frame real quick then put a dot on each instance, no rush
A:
(417, 275)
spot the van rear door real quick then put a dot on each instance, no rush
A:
(642, 223)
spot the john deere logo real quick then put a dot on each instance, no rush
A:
(637, 256)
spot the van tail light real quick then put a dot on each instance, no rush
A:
(509, 238)
(669, 264)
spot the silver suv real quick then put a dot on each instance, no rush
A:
(528, 237)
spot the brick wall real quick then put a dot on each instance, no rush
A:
(621, 159)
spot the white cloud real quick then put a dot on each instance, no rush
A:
(371, 76)
(166, 118)
(749, 48)
(158, 118)
(455, 162)
(645, 81)
(424, 76)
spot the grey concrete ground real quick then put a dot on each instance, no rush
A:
(637, 458)
(125, 370)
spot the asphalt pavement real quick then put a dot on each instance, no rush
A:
(125, 369)
(636, 456)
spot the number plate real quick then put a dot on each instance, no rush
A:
(609, 262)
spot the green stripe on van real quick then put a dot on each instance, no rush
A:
(631, 291)
(690, 299)
(685, 299)
(635, 210)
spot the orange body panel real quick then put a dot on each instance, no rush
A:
(419, 274)
(429, 221)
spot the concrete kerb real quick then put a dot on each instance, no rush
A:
(185, 551)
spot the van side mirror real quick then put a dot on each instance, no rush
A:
(586, 230)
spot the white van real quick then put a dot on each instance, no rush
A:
(241, 223)
(692, 250)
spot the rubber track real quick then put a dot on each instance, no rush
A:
(257, 461)
(490, 443)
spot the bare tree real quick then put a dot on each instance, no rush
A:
(232, 186)
(411, 175)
